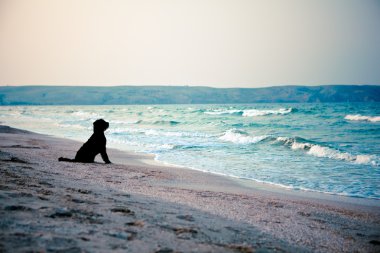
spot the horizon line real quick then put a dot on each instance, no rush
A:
(189, 86)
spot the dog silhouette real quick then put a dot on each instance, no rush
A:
(94, 146)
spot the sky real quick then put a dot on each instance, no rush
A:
(218, 43)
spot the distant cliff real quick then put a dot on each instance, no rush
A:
(85, 95)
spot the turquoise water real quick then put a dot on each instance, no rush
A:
(332, 148)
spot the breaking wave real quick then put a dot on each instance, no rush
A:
(359, 117)
(224, 112)
(241, 137)
(254, 112)
(251, 112)
(322, 151)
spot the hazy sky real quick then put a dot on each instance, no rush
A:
(221, 43)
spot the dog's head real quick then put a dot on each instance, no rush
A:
(100, 125)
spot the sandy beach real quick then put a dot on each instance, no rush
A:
(138, 205)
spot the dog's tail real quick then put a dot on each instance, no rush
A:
(63, 159)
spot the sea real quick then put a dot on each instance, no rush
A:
(331, 148)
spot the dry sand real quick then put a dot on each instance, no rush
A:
(136, 205)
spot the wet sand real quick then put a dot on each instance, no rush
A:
(137, 205)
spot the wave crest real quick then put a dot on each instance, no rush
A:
(358, 117)
(322, 151)
(251, 112)
(255, 113)
(241, 137)
(224, 112)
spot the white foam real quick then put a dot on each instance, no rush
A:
(241, 137)
(359, 117)
(255, 113)
(366, 159)
(251, 112)
(300, 145)
(321, 151)
(167, 146)
(86, 115)
(221, 112)
(284, 139)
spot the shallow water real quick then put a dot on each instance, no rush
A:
(332, 148)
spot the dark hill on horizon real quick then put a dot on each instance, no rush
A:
(95, 95)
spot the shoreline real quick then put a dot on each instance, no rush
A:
(143, 158)
(151, 159)
(285, 219)
(223, 150)
(285, 190)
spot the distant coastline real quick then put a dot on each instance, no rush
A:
(123, 95)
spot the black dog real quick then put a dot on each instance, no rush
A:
(95, 145)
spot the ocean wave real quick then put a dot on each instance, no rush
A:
(166, 146)
(254, 112)
(224, 112)
(359, 117)
(241, 137)
(251, 112)
(327, 152)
